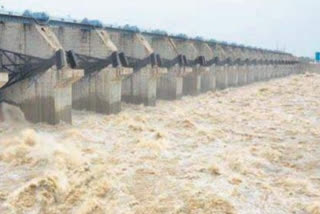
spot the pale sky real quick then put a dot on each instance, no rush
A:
(290, 25)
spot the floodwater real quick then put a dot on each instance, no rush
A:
(254, 149)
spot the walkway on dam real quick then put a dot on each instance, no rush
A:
(253, 149)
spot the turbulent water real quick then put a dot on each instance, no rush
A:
(254, 149)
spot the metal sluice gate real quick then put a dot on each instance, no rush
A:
(93, 64)
(21, 66)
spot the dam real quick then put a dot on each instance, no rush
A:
(49, 68)
(99, 119)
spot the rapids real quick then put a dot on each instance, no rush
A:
(254, 149)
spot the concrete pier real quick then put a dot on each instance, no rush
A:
(208, 78)
(221, 77)
(240, 58)
(191, 81)
(230, 67)
(46, 96)
(242, 74)
(141, 86)
(170, 85)
(99, 90)
(219, 53)
(245, 57)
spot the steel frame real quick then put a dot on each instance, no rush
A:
(21, 66)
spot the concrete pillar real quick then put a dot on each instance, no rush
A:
(235, 75)
(273, 71)
(101, 91)
(234, 54)
(191, 81)
(245, 74)
(256, 73)
(279, 71)
(45, 97)
(146, 92)
(238, 55)
(141, 86)
(208, 79)
(241, 75)
(282, 70)
(268, 72)
(169, 85)
(291, 70)
(231, 76)
(265, 72)
(296, 69)
(262, 72)
(288, 70)
(285, 70)
(221, 77)
(251, 74)
(220, 70)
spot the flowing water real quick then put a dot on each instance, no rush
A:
(254, 149)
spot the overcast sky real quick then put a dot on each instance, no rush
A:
(290, 25)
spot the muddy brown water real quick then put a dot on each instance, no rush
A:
(254, 149)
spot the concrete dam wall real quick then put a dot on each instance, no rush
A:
(48, 69)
